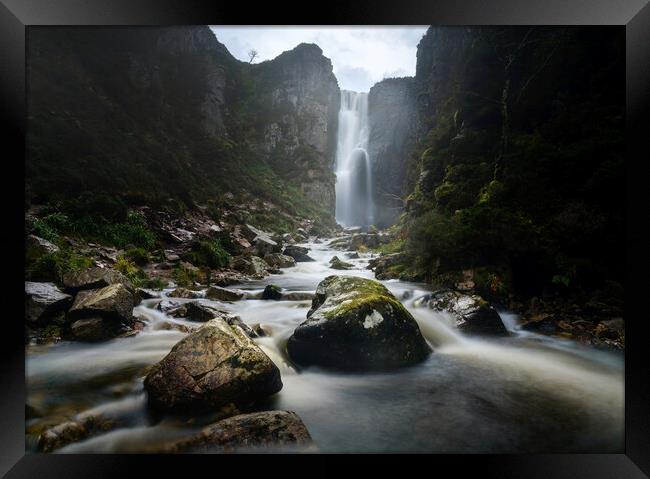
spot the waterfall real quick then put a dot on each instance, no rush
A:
(354, 205)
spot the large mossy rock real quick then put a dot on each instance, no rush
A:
(215, 366)
(94, 278)
(357, 324)
(42, 300)
(472, 313)
(336, 263)
(267, 429)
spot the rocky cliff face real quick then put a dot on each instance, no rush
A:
(152, 113)
(299, 98)
(392, 117)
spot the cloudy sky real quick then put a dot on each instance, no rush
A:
(361, 56)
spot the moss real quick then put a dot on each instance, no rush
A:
(53, 266)
(366, 294)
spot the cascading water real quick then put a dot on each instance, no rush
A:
(354, 205)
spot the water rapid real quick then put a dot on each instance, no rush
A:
(523, 393)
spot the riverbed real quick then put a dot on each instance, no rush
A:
(523, 393)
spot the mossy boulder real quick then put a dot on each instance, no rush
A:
(272, 291)
(215, 366)
(357, 324)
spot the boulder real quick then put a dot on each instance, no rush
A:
(253, 266)
(61, 435)
(473, 314)
(112, 302)
(193, 311)
(183, 293)
(95, 329)
(35, 247)
(143, 293)
(272, 292)
(297, 296)
(223, 294)
(94, 278)
(263, 245)
(357, 324)
(43, 300)
(336, 263)
(278, 260)
(214, 366)
(298, 253)
(259, 430)
(353, 255)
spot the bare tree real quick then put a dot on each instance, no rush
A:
(252, 54)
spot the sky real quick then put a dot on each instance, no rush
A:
(361, 56)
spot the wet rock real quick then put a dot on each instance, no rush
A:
(341, 243)
(183, 293)
(357, 324)
(297, 296)
(264, 245)
(472, 313)
(143, 293)
(272, 292)
(94, 278)
(223, 294)
(214, 366)
(278, 260)
(226, 278)
(298, 253)
(194, 311)
(382, 265)
(253, 266)
(336, 263)
(61, 435)
(112, 302)
(168, 304)
(354, 255)
(42, 300)
(258, 430)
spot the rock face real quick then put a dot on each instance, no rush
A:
(473, 314)
(357, 324)
(392, 115)
(93, 278)
(44, 299)
(299, 133)
(214, 366)
(260, 430)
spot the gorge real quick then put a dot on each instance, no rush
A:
(435, 265)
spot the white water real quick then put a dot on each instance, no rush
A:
(354, 204)
(524, 393)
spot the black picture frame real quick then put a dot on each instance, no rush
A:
(17, 15)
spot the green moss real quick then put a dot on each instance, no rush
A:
(53, 266)
(367, 294)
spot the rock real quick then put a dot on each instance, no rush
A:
(254, 266)
(336, 263)
(61, 435)
(296, 296)
(43, 300)
(353, 255)
(259, 429)
(167, 305)
(278, 260)
(357, 324)
(472, 313)
(340, 243)
(287, 238)
(143, 293)
(94, 278)
(35, 247)
(298, 253)
(112, 302)
(183, 293)
(194, 311)
(94, 329)
(272, 292)
(223, 294)
(214, 366)
(226, 278)
(263, 245)
(382, 264)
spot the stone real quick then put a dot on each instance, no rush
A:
(94, 278)
(279, 260)
(472, 313)
(183, 293)
(253, 266)
(94, 329)
(223, 294)
(357, 324)
(214, 366)
(35, 247)
(42, 300)
(272, 292)
(336, 263)
(114, 301)
(298, 253)
(266, 429)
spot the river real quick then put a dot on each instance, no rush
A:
(523, 393)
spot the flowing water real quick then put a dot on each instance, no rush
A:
(523, 393)
(354, 204)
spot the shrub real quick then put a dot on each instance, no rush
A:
(184, 277)
(209, 254)
(138, 255)
(131, 271)
(52, 266)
